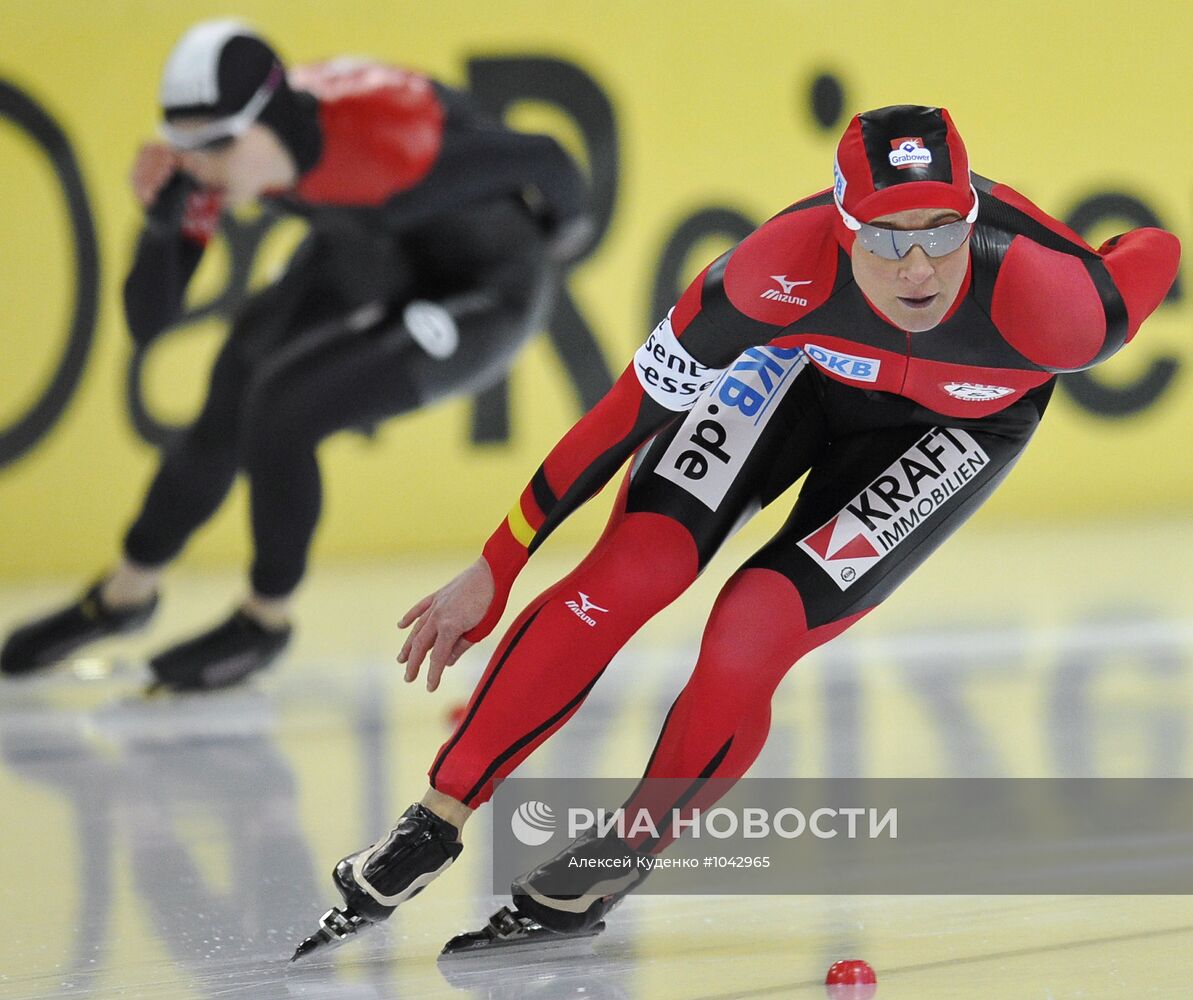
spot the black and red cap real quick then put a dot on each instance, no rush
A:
(902, 157)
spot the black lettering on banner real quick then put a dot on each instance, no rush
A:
(497, 84)
(1085, 388)
(244, 239)
(914, 472)
(29, 428)
(887, 488)
(692, 465)
(670, 280)
(933, 454)
(710, 436)
(866, 512)
(826, 96)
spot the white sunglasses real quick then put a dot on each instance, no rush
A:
(223, 131)
(895, 244)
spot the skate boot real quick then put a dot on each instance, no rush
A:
(560, 902)
(57, 635)
(375, 881)
(569, 897)
(223, 656)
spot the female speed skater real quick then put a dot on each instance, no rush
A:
(897, 338)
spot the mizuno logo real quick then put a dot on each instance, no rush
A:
(785, 295)
(788, 285)
(586, 604)
(581, 609)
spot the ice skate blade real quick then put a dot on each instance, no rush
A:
(534, 940)
(316, 942)
(336, 927)
(164, 691)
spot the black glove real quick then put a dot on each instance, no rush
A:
(162, 264)
(164, 216)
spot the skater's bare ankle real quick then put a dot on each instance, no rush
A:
(129, 586)
(270, 612)
(446, 808)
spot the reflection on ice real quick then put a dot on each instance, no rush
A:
(179, 847)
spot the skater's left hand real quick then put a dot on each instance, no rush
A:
(441, 619)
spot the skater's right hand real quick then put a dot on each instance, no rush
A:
(155, 164)
(441, 619)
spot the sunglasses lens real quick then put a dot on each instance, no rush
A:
(895, 244)
(207, 138)
(946, 239)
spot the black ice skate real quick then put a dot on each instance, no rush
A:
(375, 881)
(510, 929)
(571, 899)
(49, 639)
(559, 902)
(225, 655)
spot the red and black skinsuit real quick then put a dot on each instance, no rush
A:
(773, 364)
(414, 194)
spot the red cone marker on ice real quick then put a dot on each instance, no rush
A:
(851, 979)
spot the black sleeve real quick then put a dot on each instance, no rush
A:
(162, 267)
(480, 159)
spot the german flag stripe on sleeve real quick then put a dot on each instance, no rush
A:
(519, 527)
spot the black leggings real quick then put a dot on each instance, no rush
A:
(323, 349)
(887, 481)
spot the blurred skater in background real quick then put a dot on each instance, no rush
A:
(436, 236)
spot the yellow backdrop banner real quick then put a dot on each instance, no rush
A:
(695, 121)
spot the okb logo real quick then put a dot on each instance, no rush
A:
(712, 445)
(909, 492)
(848, 366)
